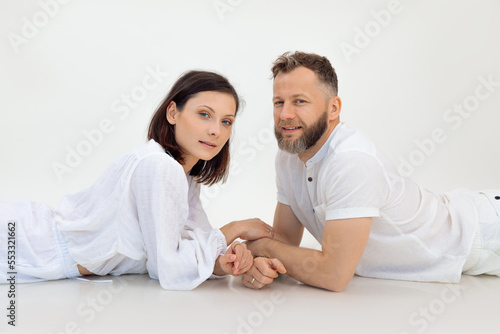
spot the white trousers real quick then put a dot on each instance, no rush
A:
(484, 257)
(31, 248)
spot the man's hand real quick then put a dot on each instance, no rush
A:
(263, 272)
(330, 268)
(258, 247)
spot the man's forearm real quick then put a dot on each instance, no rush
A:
(306, 265)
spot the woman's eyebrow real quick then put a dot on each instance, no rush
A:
(212, 110)
(208, 107)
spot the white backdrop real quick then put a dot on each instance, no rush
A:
(80, 79)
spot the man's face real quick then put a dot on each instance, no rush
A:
(300, 110)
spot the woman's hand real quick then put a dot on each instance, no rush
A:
(248, 229)
(253, 229)
(237, 260)
(263, 272)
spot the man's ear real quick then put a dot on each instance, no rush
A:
(172, 113)
(335, 104)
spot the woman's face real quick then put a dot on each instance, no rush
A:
(203, 127)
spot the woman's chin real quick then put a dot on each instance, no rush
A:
(206, 157)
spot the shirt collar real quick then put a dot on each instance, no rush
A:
(323, 150)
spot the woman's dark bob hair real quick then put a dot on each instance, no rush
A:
(188, 85)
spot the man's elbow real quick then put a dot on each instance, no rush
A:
(336, 283)
(335, 287)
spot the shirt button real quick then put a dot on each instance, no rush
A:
(309, 179)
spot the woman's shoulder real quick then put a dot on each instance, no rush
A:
(152, 156)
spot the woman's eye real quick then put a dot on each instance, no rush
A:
(204, 114)
(227, 122)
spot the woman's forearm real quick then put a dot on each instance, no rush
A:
(231, 231)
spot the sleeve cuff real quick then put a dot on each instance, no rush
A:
(282, 199)
(221, 250)
(351, 213)
(221, 243)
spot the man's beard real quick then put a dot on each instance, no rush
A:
(310, 136)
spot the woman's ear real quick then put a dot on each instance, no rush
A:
(172, 113)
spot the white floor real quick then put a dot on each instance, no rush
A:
(137, 304)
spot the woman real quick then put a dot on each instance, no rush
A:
(144, 213)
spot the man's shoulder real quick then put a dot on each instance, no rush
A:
(351, 140)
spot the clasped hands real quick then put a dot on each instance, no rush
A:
(238, 259)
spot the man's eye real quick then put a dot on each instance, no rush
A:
(278, 103)
(300, 101)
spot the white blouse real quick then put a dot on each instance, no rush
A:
(142, 215)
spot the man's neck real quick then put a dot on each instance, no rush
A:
(311, 151)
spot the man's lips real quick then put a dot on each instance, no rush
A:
(290, 129)
(208, 144)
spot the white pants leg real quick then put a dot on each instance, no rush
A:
(40, 251)
(484, 257)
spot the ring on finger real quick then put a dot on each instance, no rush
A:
(253, 280)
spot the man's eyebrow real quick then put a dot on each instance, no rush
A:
(294, 96)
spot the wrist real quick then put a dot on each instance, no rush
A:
(218, 270)
(230, 231)
(260, 247)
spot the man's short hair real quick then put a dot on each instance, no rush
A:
(288, 61)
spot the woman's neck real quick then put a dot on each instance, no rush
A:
(189, 163)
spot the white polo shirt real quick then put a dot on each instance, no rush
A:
(416, 234)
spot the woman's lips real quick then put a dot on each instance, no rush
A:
(208, 144)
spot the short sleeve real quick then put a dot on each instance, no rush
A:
(180, 257)
(355, 186)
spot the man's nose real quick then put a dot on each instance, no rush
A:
(287, 112)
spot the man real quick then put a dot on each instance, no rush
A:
(368, 218)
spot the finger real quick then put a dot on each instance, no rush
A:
(266, 229)
(252, 273)
(252, 283)
(246, 262)
(247, 283)
(243, 256)
(276, 264)
(228, 258)
(264, 265)
(238, 251)
(262, 278)
(257, 284)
